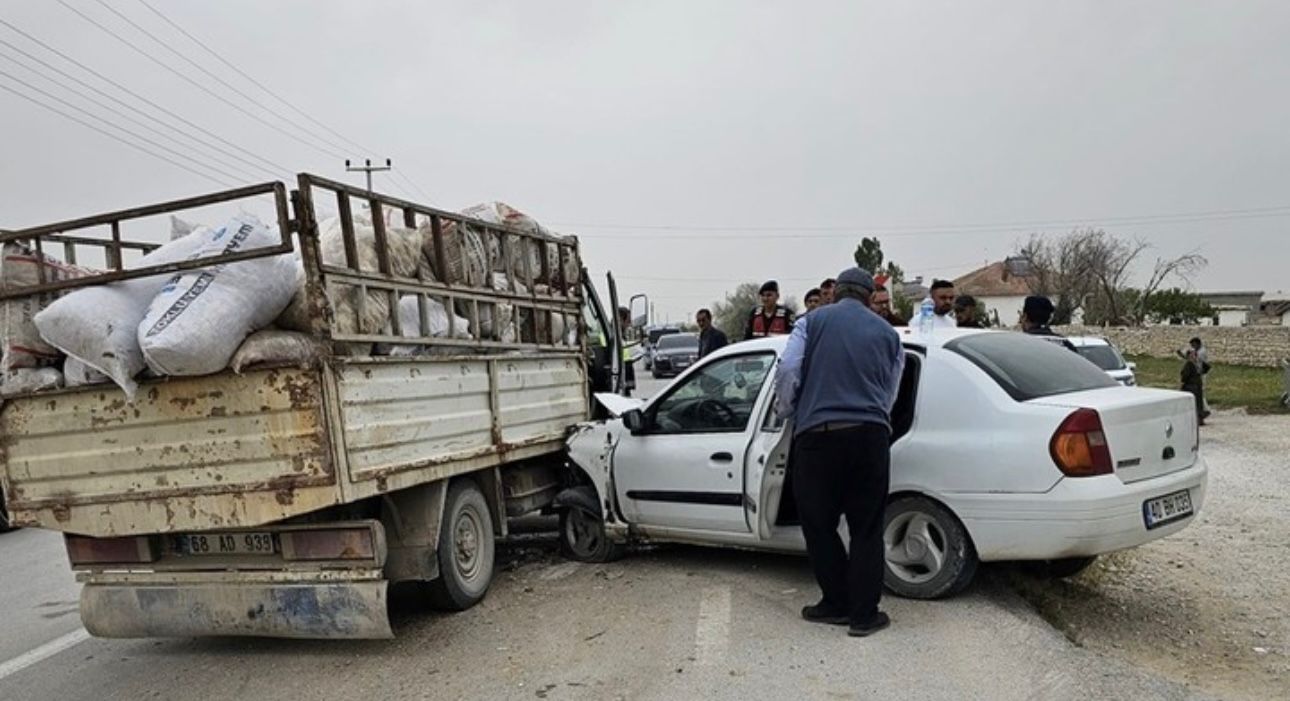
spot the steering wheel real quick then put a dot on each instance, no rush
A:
(717, 411)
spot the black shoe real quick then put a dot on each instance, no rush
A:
(873, 625)
(823, 613)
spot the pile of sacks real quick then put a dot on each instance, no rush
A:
(253, 312)
(190, 323)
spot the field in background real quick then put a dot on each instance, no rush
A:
(1227, 386)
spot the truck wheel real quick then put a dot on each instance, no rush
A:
(583, 537)
(929, 553)
(466, 549)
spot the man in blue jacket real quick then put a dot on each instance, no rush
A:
(837, 380)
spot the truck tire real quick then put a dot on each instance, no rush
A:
(929, 555)
(466, 549)
(583, 537)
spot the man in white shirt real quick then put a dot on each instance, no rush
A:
(943, 295)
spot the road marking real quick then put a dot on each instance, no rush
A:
(712, 630)
(44, 652)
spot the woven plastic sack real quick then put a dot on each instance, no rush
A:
(276, 347)
(23, 347)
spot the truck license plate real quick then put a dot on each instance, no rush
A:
(1167, 508)
(227, 544)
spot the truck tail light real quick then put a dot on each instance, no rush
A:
(329, 544)
(129, 550)
(1079, 446)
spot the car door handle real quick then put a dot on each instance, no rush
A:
(722, 457)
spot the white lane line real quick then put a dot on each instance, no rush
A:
(712, 630)
(44, 652)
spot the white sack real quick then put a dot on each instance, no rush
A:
(27, 380)
(276, 347)
(199, 318)
(99, 325)
(22, 345)
(77, 374)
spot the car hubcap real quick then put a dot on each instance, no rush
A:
(466, 541)
(915, 547)
(583, 532)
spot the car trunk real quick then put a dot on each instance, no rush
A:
(1149, 432)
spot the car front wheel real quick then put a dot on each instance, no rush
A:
(929, 553)
(583, 537)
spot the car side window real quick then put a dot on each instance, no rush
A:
(719, 397)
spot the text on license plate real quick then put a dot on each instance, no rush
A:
(1170, 507)
(227, 544)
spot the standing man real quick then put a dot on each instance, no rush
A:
(1036, 312)
(942, 295)
(826, 290)
(880, 303)
(771, 318)
(710, 337)
(814, 298)
(629, 364)
(838, 379)
(965, 313)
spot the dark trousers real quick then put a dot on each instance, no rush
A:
(836, 473)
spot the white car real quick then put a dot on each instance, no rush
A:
(1005, 447)
(1102, 353)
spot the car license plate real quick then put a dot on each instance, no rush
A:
(227, 544)
(1167, 508)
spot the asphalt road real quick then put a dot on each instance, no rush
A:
(668, 623)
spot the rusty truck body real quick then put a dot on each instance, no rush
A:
(284, 501)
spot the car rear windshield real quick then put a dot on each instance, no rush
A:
(678, 340)
(1027, 367)
(1104, 357)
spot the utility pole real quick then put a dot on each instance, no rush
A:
(368, 168)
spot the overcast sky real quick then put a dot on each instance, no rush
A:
(695, 145)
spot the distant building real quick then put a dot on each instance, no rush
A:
(1002, 294)
(1274, 312)
(1233, 307)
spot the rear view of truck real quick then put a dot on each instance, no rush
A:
(414, 392)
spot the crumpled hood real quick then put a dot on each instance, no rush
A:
(617, 404)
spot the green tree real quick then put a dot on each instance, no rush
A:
(1176, 306)
(869, 255)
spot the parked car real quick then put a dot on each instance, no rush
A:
(1004, 447)
(674, 353)
(653, 334)
(1102, 353)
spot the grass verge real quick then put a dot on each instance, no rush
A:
(1257, 390)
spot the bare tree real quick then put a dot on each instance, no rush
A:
(1183, 267)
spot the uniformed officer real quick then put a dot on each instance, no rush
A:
(771, 318)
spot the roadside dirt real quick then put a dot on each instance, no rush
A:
(1210, 605)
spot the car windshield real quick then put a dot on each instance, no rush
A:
(656, 334)
(1028, 367)
(678, 340)
(1104, 357)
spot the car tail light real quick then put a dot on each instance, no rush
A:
(1079, 446)
(130, 550)
(329, 544)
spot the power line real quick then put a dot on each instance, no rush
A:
(398, 174)
(137, 122)
(216, 77)
(140, 137)
(796, 231)
(272, 166)
(252, 80)
(110, 135)
(289, 134)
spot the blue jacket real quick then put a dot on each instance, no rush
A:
(842, 364)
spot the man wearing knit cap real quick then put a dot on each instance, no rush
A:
(837, 380)
(771, 318)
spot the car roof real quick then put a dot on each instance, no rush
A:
(1088, 341)
(908, 337)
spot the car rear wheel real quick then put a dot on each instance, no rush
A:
(466, 549)
(929, 553)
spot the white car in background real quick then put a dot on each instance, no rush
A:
(1004, 447)
(1102, 353)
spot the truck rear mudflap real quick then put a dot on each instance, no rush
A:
(340, 610)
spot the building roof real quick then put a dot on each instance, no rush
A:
(1232, 298)
(992, 281)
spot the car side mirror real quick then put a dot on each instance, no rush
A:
(635, 422)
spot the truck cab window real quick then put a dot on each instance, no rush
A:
(719, 397)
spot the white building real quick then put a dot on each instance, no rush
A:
(1233, 308)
